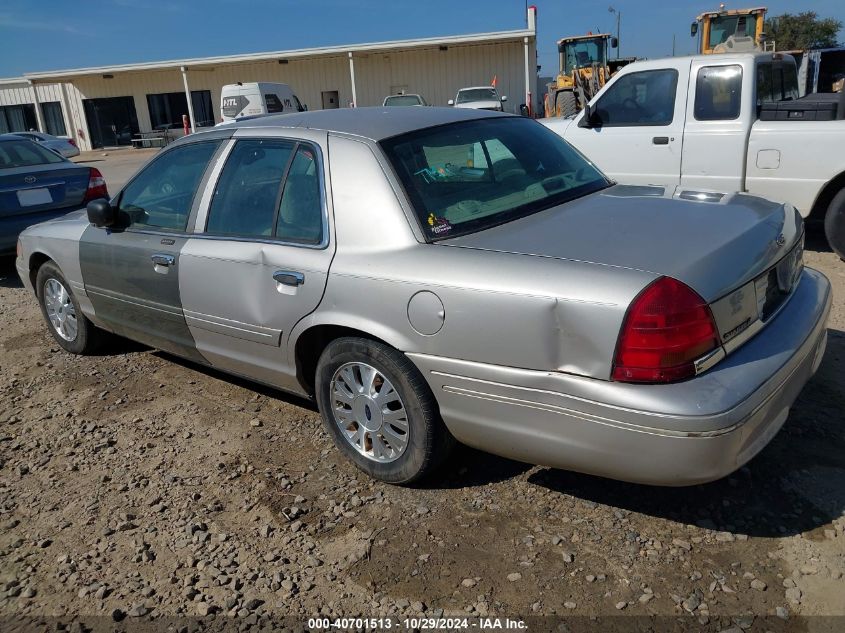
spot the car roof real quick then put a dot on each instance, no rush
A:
(478, 88)
(376, 123)
(15, 136)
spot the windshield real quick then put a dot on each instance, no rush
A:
(477, 94)
(582, 53)
(470, 176)
(402, 100)
(722, 27)
(25, 153)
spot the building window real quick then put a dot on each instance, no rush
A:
(18, 118)
(54, 122)
(167, 108)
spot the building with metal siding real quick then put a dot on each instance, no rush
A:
(111, 104)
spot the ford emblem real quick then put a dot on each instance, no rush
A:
(29, 180)
(781, 240)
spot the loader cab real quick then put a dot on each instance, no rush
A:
(584, 51)
(730, 31)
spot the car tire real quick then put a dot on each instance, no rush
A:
(405, 458)
(60, 309)
(834, 224)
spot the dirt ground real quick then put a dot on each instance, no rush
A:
(136, 485)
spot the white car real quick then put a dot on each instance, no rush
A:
(404, 100)
(63, 146)
(479, 98)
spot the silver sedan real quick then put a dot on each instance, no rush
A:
(433, 275)
(65, 147)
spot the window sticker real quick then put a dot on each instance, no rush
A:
(438, 224)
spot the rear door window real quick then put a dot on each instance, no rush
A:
(269, 189)
(162, 194)
(301, 209)
(247, 193)
(640, 99)
(718, 93)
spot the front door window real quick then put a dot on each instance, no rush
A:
(161, 196)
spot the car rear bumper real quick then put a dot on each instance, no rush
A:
(11, 226)
(679, 434)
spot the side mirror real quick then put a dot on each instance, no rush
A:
(100, 213)
(614, 42)
(451, 102)
(693, 29)
(588, 118)
(504, 98)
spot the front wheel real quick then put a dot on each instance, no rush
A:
(379, 411)
(834, 224)
(71, 329)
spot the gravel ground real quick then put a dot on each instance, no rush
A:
(135, 484)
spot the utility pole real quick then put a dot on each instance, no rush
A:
(673, 44)
(618, 38)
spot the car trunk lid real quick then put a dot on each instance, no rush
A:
(38, 188)
(740, 253)
(714, 243)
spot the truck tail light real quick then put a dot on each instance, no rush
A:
(96, 186)
(667, 328)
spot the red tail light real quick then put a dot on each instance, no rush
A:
(667, 328)
(96, 186)
(72, 142)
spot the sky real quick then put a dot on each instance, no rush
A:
(39, 35)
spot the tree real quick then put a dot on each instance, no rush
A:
(802, 31)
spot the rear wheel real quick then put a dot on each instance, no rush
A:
(565, 103)
(60, 308)
(380, 411)
(834, 224)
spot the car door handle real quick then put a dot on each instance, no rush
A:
(660, 140)
(289, 277)
(162, 259)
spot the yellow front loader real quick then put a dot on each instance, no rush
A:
(730, 30)
(583, 72)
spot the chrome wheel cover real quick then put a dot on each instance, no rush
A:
(369, 412)
(60, 310)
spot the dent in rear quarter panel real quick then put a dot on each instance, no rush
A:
(59, 240)
(500, 308)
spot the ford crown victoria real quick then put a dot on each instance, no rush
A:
(430, 275)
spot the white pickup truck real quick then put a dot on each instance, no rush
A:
(700, 124)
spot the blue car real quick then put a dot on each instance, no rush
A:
(37, 184)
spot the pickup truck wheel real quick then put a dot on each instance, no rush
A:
(834, 224)
(379, 411)
(71, 329)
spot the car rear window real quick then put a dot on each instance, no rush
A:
(25, 153)
(402, 100)
(472, 175)
(477, 94)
